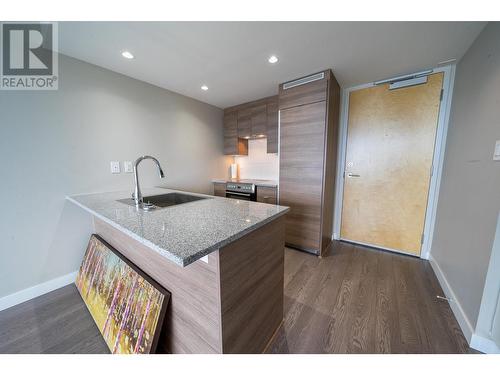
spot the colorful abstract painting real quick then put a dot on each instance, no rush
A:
(127, 306)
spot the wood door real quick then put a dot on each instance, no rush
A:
(390, 148)
(302, 138)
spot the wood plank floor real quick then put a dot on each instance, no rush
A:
(362, 300)
(354, 300)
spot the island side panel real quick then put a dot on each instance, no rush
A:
(251, 288)
(192, 323)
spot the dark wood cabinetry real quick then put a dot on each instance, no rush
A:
(257, 119)
(272, 127)
(219, 189)
(233, 145)
(245, 123)
(309, 115)
(267, 194)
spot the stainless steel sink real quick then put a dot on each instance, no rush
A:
(164, 200)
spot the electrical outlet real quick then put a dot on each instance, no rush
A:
(496, 154)
(127, 167)
(115, 167)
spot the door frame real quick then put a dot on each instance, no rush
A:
(437, 162)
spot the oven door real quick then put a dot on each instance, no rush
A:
(240, 196)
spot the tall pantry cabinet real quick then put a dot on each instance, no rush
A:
(309, 110)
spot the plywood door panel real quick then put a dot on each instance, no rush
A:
(390, 145)
(302, 138)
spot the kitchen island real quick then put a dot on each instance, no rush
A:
(221, 259)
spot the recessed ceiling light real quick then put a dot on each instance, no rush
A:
(272, 59)
(127, 55)
(204, 87)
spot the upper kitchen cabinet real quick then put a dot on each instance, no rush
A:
(232, 144)
(259, 121)
(309, 119)
(245, 123)
(253, 120)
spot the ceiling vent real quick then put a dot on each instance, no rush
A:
(303, 81)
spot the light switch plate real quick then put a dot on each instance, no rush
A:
(127, 167)
(496, 154)
(115, 167)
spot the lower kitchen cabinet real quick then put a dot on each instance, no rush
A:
(266, 194)
(219, 189)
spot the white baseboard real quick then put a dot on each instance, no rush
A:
(484, 345)
(37, 290)
(457, 309)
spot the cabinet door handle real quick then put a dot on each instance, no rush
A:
(351, 175)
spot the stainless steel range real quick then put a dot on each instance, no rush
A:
(241, 190)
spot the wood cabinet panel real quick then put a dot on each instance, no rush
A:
(301, 172)
(310, 93)
(245, 123)
(266, 194)
(272, 127)
(251, 288)
(192, 323)
(230, 134)
(308, 147)
(219, 189)
(259, 120)
(232, 144)
(255, 119)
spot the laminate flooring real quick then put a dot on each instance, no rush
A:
(354, 300)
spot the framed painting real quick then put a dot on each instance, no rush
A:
(127, 305)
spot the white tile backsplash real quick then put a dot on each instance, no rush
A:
(258, 164)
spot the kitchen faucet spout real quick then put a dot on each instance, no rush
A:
(137, 192)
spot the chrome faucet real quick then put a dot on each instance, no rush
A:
(137, 192)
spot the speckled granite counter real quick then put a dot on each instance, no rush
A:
(186, 232)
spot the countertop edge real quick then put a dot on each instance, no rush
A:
(129, 233)
(263, 184)
(167, 254)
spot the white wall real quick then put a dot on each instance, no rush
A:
(59, 143)
(487, 334)
(469, 197)
(258, 164)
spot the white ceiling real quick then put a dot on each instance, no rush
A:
(231, 57)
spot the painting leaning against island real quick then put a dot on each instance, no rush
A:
(127, 306)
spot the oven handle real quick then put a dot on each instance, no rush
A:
(235, 193)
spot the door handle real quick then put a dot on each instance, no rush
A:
(351, 175)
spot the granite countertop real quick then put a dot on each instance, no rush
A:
(182, 233)
(256, 182)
